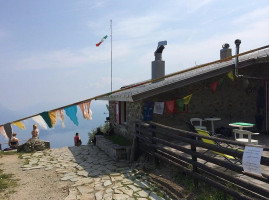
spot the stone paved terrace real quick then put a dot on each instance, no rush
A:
(94, 175)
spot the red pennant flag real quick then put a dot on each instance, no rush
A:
(170, 106)
(214, 86)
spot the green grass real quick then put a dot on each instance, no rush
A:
(6, 181)
(3, 153)
(118, 139)
(203, 191)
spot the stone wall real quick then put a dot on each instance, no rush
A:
(232, 101)
(114, 151)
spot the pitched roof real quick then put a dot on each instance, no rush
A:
(185, 78)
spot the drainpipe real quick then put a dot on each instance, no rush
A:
(237, 44)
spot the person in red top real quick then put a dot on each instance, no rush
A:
(77, 140)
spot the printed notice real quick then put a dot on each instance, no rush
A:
(252, 160)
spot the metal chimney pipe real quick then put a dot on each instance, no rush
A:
(158, 65)
(237, 44)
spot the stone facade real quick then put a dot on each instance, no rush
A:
(133, 113)
(232, 101)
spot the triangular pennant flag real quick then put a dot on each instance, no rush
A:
(53, 119)
(46, 117)
(3, 132)
(170, 107)
(187, 99)
(85, 109)
(102, 40)
(180, 104)
(71, 112)
(8, 129)
(231, 75)
(214, 86)
(40, 121)
(19, 124)
(60, 116)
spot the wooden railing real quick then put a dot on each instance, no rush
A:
(157, 140)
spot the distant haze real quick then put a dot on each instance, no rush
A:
(59, 136)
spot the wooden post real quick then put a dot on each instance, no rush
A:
(194, 158)
(153, 134)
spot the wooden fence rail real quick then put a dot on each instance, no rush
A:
(179, 147)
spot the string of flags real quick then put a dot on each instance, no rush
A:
(178, 105)
(48, 119)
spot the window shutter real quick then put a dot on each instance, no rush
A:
(117, 112)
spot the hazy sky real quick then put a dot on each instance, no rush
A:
(48, 56)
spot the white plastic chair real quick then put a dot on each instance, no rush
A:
(198, 123)
(241, 136)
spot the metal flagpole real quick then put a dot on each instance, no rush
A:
(111, 52)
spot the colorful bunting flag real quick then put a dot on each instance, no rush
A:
(71, 112)
(46, 117)
(187, 99)
(19, 124)
(3, 132)
(8, 129)
(85, 109)
(102, 40)
(158, 108)
(60, 116)
(221, 82)
(40, 121)
(170, 107)
(214, 86)
(53, 119)
(231, 75)
(180, 104)
(148, 111)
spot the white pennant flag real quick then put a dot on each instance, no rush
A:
(40, 121)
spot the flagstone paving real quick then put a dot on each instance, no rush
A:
(94, 175)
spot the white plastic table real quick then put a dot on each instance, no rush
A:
(212, 119)
(241, 125)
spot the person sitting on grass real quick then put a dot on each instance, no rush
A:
(13, 142)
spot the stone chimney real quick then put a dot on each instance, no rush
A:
(225, 51)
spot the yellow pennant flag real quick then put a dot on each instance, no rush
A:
(231, 75)
(52, 115)
(19, 124)
(187, 99)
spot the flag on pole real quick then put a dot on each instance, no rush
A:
(102, 40)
